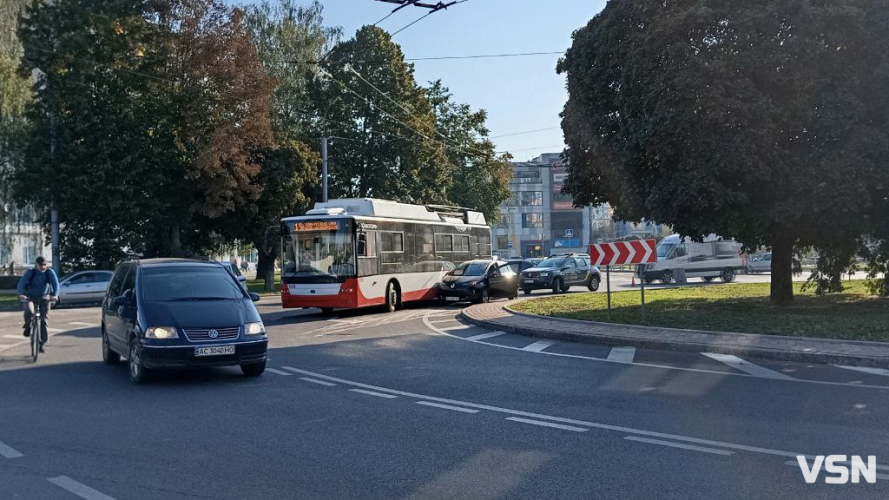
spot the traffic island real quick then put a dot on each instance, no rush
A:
(710, 317)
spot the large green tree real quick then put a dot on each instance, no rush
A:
(760, 120)
(145, 124)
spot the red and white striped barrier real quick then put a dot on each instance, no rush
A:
(624, 252)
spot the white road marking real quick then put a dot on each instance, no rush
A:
(595, 425)
(16, 337)
(485, 336)
(460, 327)
(377, 394)
(622, 354)
(278, 372)
(547, 424)
(744, 366)
(539, 345)
(55, 330)
(81, 323)
(795, 463)
(319, 382)
(447, 407)
(7, 451)
(864, 369)
(79, 489)
(446, 320)
(438, 331)
(680, 445)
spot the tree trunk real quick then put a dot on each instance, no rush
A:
(175, 240)
(782, 270)
(265, 267)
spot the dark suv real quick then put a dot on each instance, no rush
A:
(173, 313)
(559, 273)
(479, 281)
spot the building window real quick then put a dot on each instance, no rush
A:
(527, 177)
(532, 220)
(23, 215)
(502, 242)
(531, 198)
(29, 252)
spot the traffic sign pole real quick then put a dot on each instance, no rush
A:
(638, 252)
(608, 288)
(641, 268)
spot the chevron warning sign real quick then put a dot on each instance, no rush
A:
(624, 252)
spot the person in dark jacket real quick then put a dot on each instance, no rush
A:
(37, 283)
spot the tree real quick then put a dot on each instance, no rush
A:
(379, 148)
(155, 109)
(728, 118)
(480, 177)
(289, 39)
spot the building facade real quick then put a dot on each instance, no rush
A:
(538, 220)
(21, 239)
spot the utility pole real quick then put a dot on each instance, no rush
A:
(54, 209)
(324, 169)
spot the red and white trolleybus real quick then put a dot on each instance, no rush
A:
(353, 253)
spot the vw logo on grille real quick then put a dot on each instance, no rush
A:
(212, 334)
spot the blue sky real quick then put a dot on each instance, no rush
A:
(519, 94)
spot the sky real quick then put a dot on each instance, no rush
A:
(519, 94)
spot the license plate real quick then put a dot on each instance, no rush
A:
(452, 299)
(529, 282)
(214, 351)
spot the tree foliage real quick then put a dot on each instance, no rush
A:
(145, 122)
(730, 118)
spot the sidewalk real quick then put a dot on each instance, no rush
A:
(497, 316)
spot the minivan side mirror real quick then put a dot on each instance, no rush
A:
(254, 297)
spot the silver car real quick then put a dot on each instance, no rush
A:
(84, 287)
(761, 263)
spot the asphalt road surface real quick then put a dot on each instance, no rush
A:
(416, 405)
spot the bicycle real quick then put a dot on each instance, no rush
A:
(35, 307)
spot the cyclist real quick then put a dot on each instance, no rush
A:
(36, 284)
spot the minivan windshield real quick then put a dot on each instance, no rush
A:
(470, 269)
(554, 263)
(664, 249)
(180, 283)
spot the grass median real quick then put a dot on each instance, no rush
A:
(9, 302)
(851, 315)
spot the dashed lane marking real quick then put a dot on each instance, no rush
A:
(864, 369)
(447, 407)
(548, 424)
(81, 323)
(485, 336)
(539, 346)
(79, 489)
(7, 451)
(679, 445)
(373, 393)
(622, 354)
(570, 421)
(319, 382)
(278, 372)
(747, 367)
(476, 339)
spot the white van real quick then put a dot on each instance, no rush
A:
(712, 258)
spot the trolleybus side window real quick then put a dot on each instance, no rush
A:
(367, 253)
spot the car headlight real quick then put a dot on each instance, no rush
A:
(544, 275)
(162, 332)
(254, 328)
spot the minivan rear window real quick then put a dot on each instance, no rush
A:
(172, 284)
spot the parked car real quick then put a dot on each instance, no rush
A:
(174, 313)
(235, 271)
(479, 281)
(83, 287)
(560, 273)
(712, 258)
(761, 263)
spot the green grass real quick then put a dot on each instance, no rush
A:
(851, 315)
(9, 302)
(258, 286)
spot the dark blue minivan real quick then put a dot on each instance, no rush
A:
(178, 313)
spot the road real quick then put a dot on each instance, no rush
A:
(417, 405)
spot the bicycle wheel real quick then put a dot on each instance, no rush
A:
(35, 340)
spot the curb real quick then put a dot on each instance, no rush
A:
(799, 356)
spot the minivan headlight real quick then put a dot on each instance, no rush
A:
(254, 328)
(162, 332)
